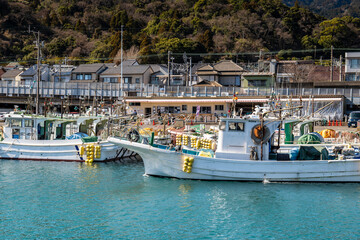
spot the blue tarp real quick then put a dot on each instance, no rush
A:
(78, 135)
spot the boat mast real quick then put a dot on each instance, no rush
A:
(38, 47)
(121, 66)
(38, 73)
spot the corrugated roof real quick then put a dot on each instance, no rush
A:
(88, 68)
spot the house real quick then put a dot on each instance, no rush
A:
(2, 71)
(132, 74)
(207, 83)
(291, 73)
(88, 72)
(193, 78)
(61, 73)
(29, 76)
(257, 79)
(12, 65)
(225, 72)
(130, 62)
(12, 77)
(352, 66)
(160, 74)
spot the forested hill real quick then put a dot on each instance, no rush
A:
(330, 8)
(91, 29)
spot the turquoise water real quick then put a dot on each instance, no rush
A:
(43, 200)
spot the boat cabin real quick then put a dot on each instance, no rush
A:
(244, 139)
(19, 126)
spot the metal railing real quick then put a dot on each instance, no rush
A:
(114, 90)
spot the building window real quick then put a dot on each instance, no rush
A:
(184, 107)
(219, 107)
(137, 80)
(110, 79)
(155, 80)
(257, 83)
(134, 104)
(87, 76)
(79, 77)
(202, 109)
(352, 77)
(171, 109)
(127, 80)
(354, 63)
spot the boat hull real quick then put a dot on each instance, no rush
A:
(165, 163)
(57, 150)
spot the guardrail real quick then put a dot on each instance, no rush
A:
(114, 90)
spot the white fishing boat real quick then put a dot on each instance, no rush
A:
(29, 137)
(244, 153)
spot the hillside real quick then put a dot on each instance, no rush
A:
(92, 29)
(330, 8)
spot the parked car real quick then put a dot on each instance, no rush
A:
(354, 117)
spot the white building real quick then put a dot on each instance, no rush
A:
(352, 66)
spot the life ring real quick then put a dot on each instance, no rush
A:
(133, 136)
(260, 134)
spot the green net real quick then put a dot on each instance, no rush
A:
(309, 139)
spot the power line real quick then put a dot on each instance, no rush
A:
(164, 54)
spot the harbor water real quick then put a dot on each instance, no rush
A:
(47, 200)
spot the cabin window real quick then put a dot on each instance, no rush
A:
(236, 126)
(137, 80)
(15, 122)
(15, 133)
(29, 123)
(222, 126)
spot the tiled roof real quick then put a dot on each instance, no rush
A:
(32, 71)
(227, 65)
(207, 67)
(134, 69)
(88, 68)
(257, 74)
(11, 73)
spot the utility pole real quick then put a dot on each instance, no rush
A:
(332, 65)
(169, 74)
(340, 77)
(38, 46)
(190, 71)
(121, 66)
(172, 69)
